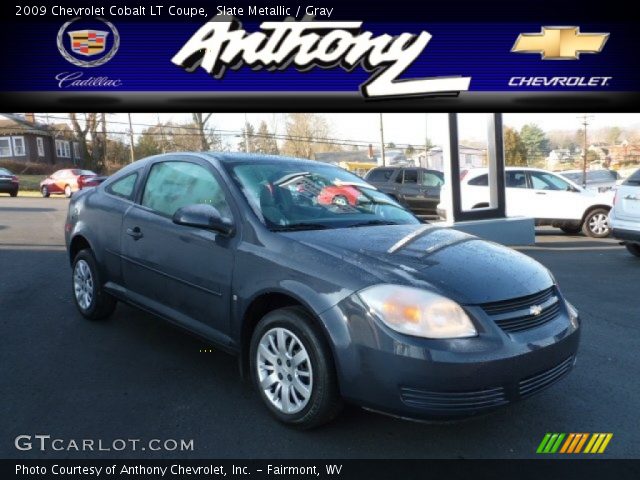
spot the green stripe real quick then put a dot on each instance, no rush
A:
(550, 443)
(543, 443)
(558, 442)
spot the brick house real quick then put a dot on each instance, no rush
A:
(27, 141)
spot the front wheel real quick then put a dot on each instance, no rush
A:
(634, 248)
(292, 369)
(596, 223)
(45, 192)
(67, 191)
(91, 299)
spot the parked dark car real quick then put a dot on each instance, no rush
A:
(418, 189)
(68, 181)
(598, 181)
(320, 302)
(9, 183)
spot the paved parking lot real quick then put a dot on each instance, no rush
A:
(137, 377)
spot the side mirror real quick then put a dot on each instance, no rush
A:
(203, 216)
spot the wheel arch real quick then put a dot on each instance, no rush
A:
(260, 305)
(591, 208)
(78, 242)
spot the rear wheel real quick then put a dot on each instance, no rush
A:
(596, 223)
(340, 200)
(45, 192)
(634, 248)
(14, 193)
(292, 369)
(67, 191)
(91, 299)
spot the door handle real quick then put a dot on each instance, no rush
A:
(540, 193)
(135, 233)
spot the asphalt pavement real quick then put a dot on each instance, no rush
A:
(136, 377)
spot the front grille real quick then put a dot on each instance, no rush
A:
(518, 314)
(453, 402)
(542, 380)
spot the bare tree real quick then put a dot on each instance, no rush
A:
(92, 143)
(307, 134)
(200, 121)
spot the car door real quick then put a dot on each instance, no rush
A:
(518, 194)
(181, 272)
(554, 198)
(409, 189)
(430, 182)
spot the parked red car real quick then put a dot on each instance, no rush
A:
(68, 181)
(342, 195)
(9, 183)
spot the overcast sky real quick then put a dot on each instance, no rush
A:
(400, 128)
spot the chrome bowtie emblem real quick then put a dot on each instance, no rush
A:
(535, 310)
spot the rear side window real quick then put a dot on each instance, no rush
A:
(124, 187)
(431, 179)
(480, 181)
(380, 175)
(410, 176)
(634, 179)
(516, 180)
(173, 185)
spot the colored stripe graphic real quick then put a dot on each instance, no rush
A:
(573, 443)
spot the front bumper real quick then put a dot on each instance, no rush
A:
(411, 377)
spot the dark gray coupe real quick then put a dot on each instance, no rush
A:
(322, 302)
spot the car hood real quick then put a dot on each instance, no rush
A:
(460, 266)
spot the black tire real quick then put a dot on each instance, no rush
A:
(45, 192)
(588, 228)
(571, 230)
(634, 249)
(340, 200)
(324, 401)
(67, 191)
(14, 193)
(102, 304)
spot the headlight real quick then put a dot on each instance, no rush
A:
(573, 314)
(418, 312)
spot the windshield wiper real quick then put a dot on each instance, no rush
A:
(371, 223)
(298, 226)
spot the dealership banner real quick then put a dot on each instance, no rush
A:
(468, 56)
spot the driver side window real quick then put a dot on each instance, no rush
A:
(175, 184)
(546, 181)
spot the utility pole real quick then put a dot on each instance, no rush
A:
(426, 141)
(131, 139)
(585, 123)
(104, 139)
(164, 149)
(246, 134)
(382, 154)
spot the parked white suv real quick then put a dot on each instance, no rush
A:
(625, 215)
(545, 196)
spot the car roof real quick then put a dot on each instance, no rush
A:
(233, 157)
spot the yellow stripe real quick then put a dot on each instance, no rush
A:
(591, 442)
(606, 442)
(567, 442)
(574, 443)
(596, 445)
(584, 439)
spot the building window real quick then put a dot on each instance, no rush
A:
(40, 145)
(63, 150)
(5, 147)
(76, 150)
(18, 146)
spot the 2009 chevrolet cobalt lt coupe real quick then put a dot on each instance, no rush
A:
(322, 302)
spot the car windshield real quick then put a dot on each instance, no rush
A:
(291, 195)
(4, 171)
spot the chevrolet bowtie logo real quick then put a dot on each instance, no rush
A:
(560, 43)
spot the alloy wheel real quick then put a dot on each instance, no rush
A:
(284, 369)
(599, 224)
(83, 284)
